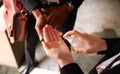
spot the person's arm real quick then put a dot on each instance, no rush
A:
(89, 43)
(92, 44)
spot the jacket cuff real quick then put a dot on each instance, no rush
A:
(71, 68)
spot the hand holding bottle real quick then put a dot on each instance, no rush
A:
(75, 43)
(85, 43)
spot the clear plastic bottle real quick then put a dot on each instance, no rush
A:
(75, 43)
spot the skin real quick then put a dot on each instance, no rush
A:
(91, 44)
(40, 21)
(55, 47)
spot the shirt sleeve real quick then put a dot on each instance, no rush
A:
(71, 68)
(30, 4)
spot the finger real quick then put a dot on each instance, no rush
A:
(50, 33)
(69, 33)
(45, 45)
(39, 32)
(46, 34)
(58, 34)
(53, 34)
(74, 33)
(39, 26)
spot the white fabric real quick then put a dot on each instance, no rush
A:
(103, 65)
(42, 71)
(2, 22)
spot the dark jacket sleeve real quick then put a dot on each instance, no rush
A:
(30, 4)
(1, 3)
(113, 46)
(72, 68)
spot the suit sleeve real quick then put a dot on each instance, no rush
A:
(72, 68)
(113, 46)
(1, 3)
(30, 4)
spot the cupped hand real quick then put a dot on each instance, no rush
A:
(55, 47)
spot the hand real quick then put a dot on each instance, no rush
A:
(57, 15)
(55, 47)
(40, 21)
(90, 44)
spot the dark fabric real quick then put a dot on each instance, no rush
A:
(72, 68)
(113, 49)
(111, 45)
(110, 65)
(115, 70)
(32, 37)
(30, 44)
(31, 4)
(115, 44)
(1, 3)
